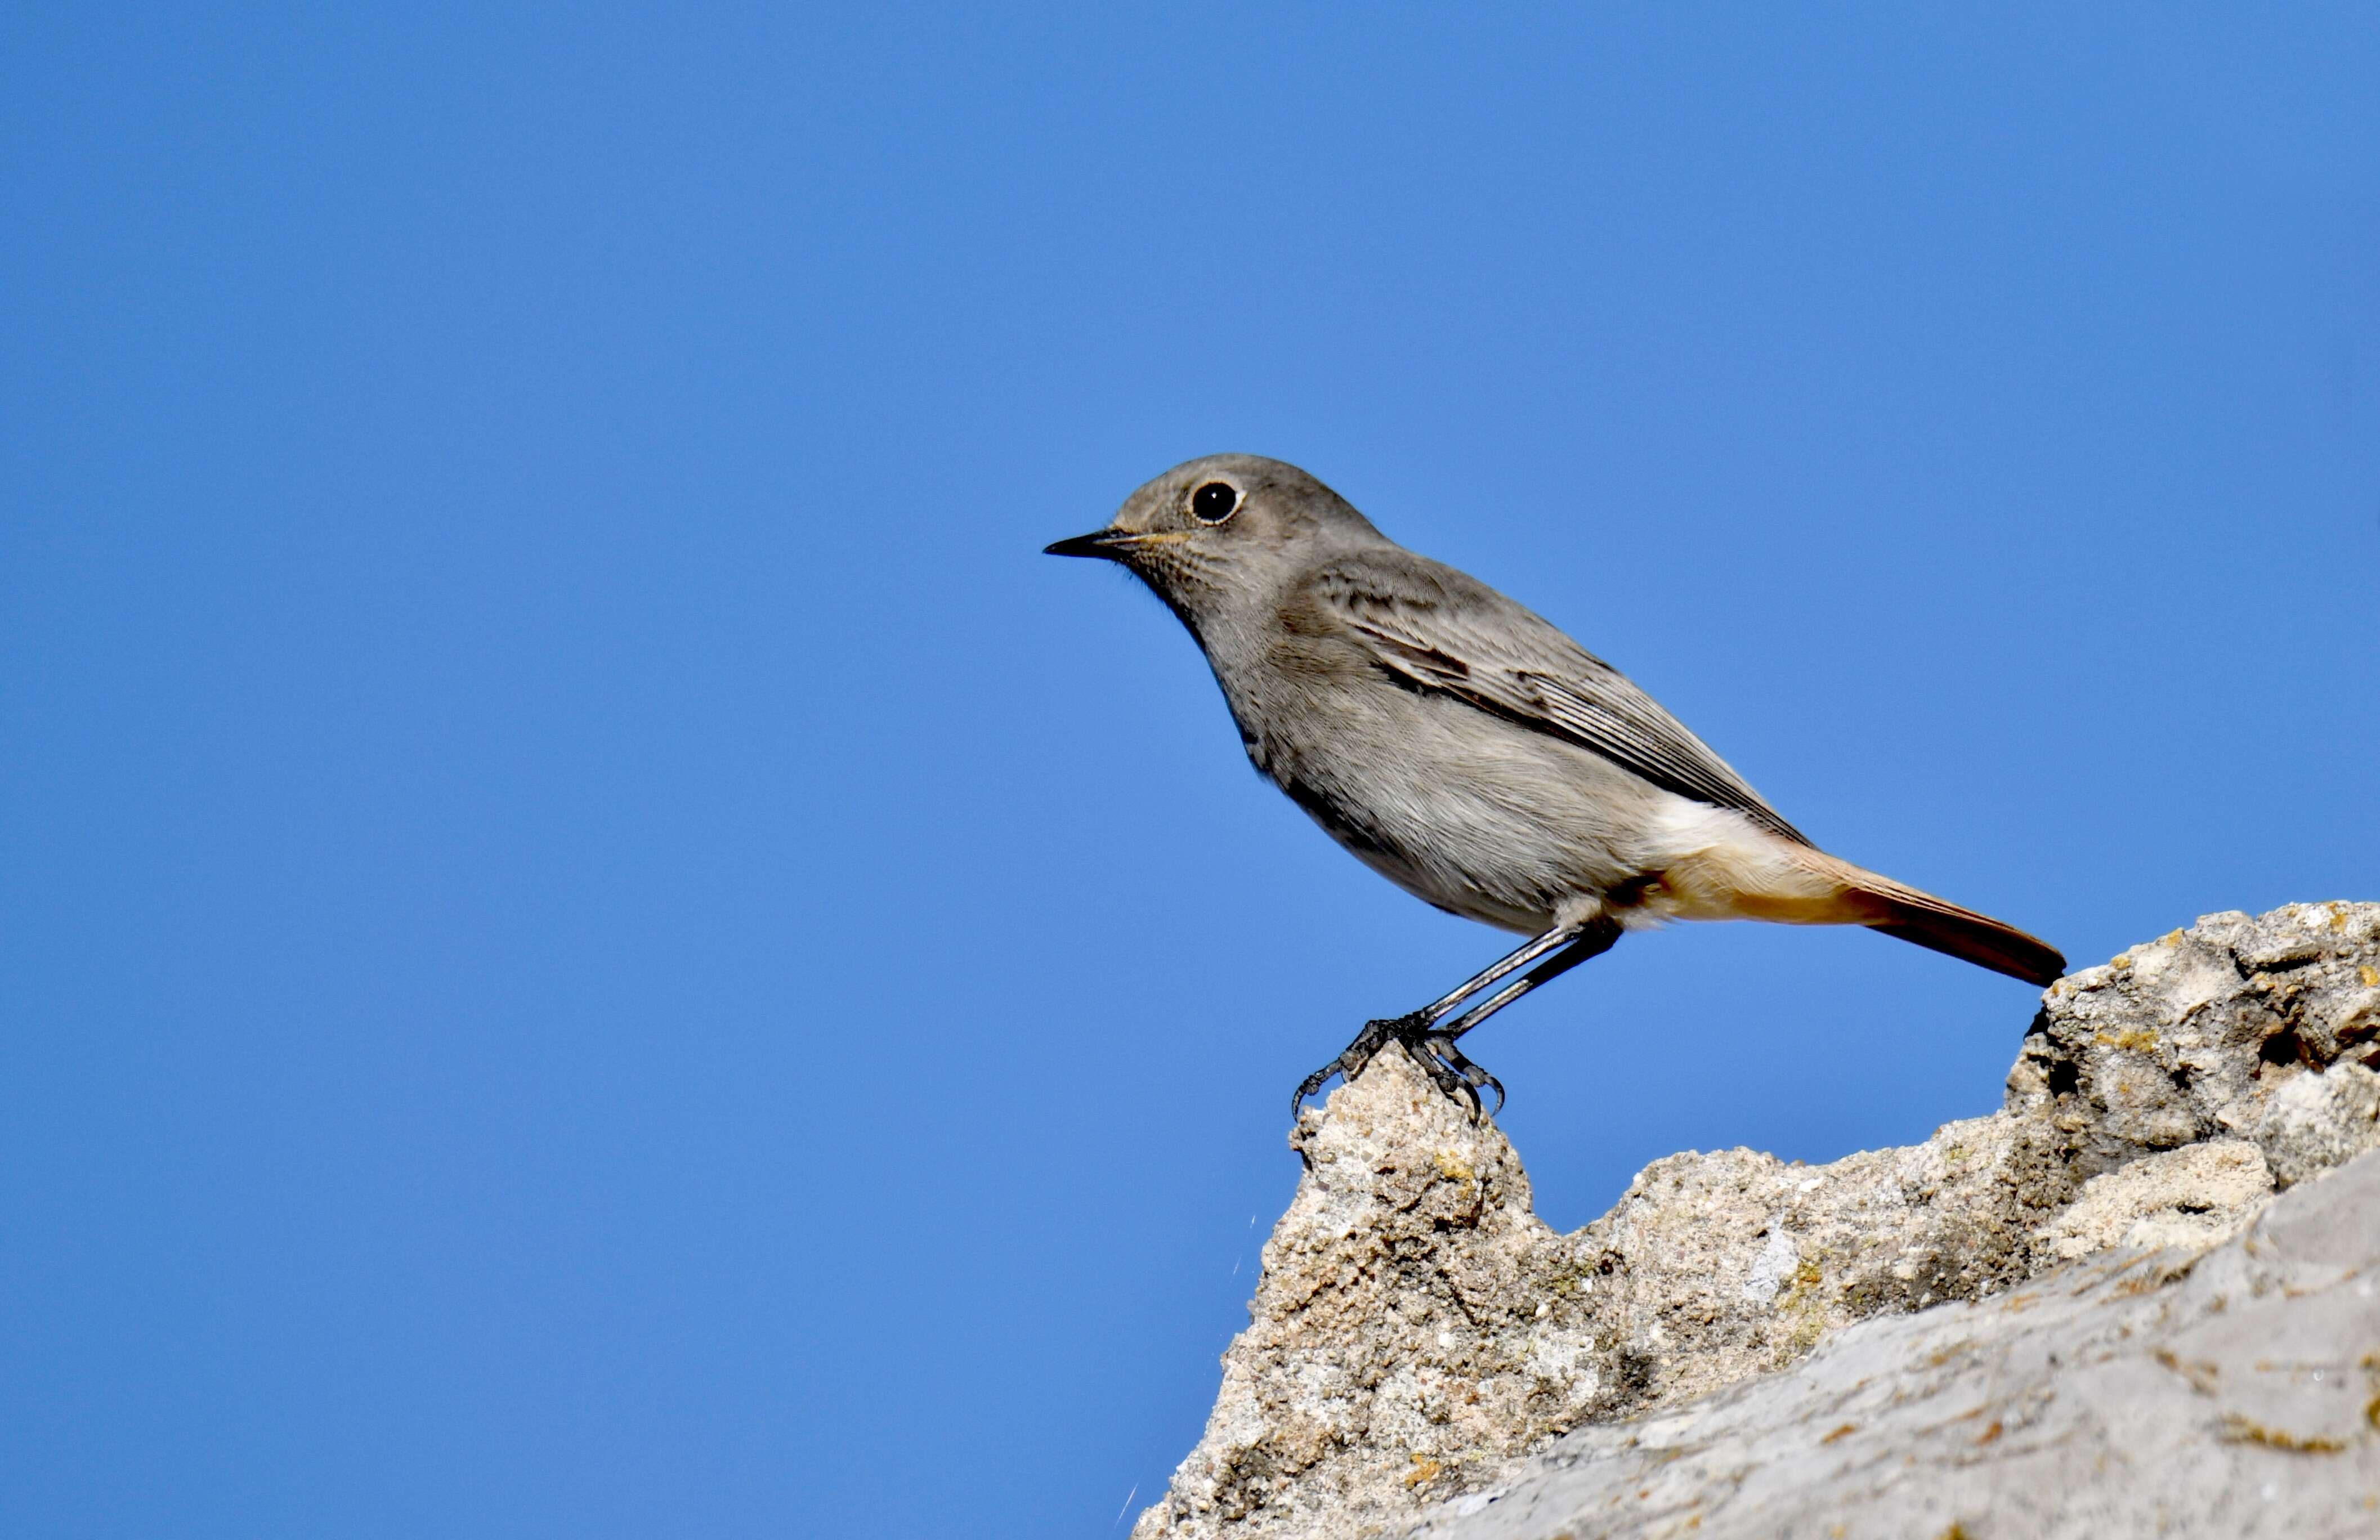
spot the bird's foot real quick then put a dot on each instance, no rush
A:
(1457, 1078)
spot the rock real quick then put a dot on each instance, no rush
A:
(1414, 1321)
(2186, 1037)
(2315, 1122)
(2191, 1196)
(2231, 1394)
(1416, 1330)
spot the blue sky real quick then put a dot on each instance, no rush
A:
(594, 943)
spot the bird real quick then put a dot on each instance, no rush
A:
(1473, 754)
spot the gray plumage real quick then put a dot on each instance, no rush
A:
(1463, 747)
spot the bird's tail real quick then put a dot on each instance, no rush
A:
(1732, 872)
(1880, 903)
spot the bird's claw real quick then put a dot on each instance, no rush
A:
(1448, 1062)
(1455, 1076)
(1376, 1036)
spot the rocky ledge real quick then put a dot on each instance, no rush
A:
(2086, 1313)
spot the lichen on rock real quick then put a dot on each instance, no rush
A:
(1417, 1330)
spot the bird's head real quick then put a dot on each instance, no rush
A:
(1215, 535)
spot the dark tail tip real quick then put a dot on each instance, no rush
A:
(1984, 942)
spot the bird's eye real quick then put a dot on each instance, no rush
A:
(1214, 501)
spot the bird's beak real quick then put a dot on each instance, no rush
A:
(1106, 544)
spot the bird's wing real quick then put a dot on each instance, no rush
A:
(1439, 629)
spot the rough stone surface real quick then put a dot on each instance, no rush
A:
(2187, 1037)
(2316, 1121)
(2191, 1196)
(1416, 1330)
(1413, 1320)
(2230, 1393)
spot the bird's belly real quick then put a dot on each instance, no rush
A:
(1466, 811)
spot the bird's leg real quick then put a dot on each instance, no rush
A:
(1433, 1049)
(1412, 1026)
(1593, 940)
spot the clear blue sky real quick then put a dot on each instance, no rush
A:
(595, 945)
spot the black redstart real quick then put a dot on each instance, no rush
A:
(1465, 749)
